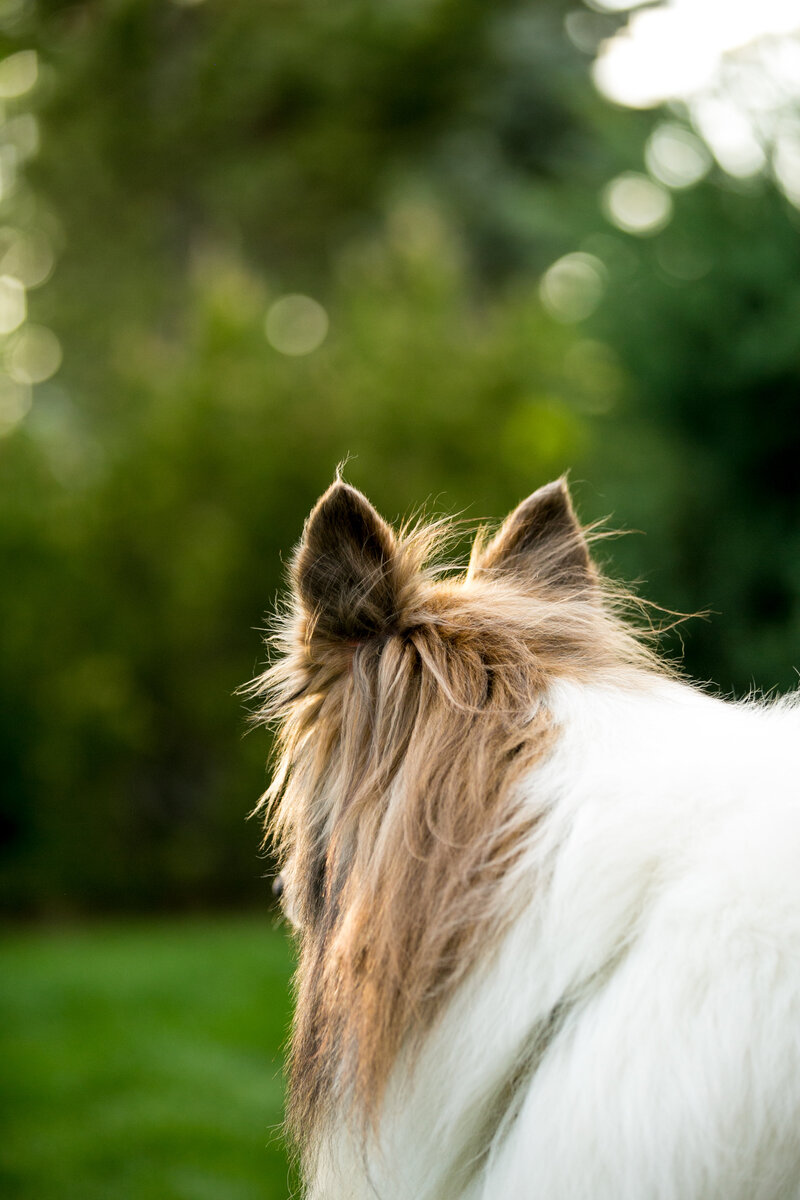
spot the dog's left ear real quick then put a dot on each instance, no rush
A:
(541, 541)
(344, 570)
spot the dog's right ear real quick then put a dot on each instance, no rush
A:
(542, 542)
(344, 568)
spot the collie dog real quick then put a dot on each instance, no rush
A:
(547, 894)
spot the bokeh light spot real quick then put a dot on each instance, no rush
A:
(675, 156)
(8, 171)
(15, 402)
(296, 325)
(18, 74)
(729, 132)
(573, 286)
(786, 165)
(13, 307)
(609, 6)
(636, 204)
(650, 60)
(28, 257)
(22, 132)
(33, 355)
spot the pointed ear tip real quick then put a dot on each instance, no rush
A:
(342, 515)
(556, 491)
(338, 487)
(339, 492)
(558, 486)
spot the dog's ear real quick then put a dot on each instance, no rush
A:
(344, 567)
(541, 541)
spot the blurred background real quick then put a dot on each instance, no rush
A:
(467, 246)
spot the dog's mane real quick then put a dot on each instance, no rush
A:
(410, 703)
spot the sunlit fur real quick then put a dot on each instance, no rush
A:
(546, 895)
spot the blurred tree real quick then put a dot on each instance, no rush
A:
(194, 163)
(411, 170)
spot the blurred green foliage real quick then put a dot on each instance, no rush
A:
(414, 167)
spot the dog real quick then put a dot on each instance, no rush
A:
(546, 892)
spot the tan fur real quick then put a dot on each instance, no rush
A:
(403, 734)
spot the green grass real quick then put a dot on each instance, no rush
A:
(142, 1062)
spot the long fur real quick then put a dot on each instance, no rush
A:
(549, 940)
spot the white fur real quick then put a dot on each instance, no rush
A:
(659, 917)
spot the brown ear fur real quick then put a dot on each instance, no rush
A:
(344, 568)
(542, 540)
